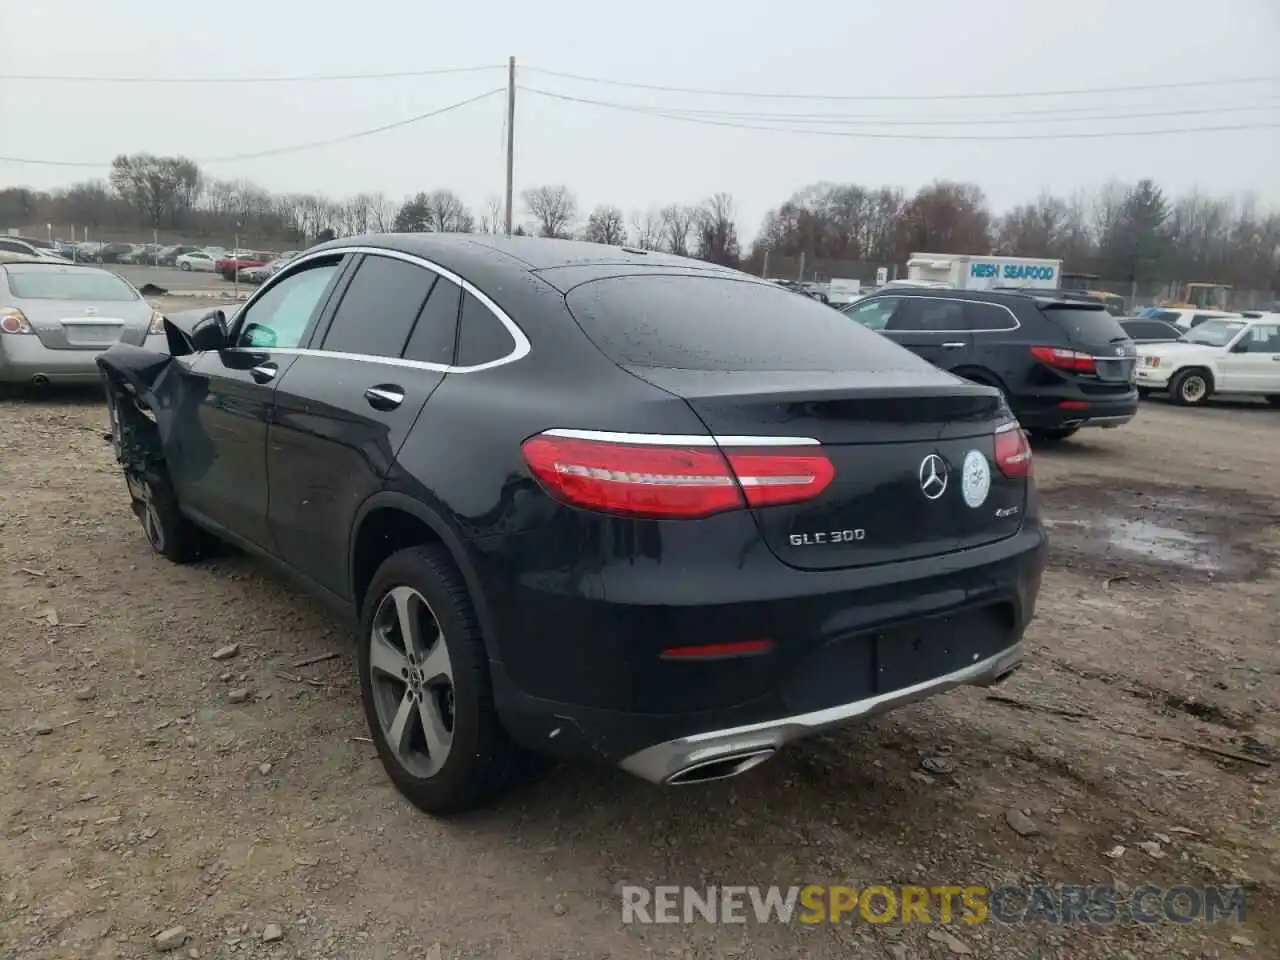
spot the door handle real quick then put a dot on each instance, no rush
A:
(264, 372)
(386, 396)
(953, 345)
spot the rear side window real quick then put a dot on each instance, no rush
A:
(433, 335)
(988, 316)
(715, 323)
(482, 338)
(874, 314)
(1083, 325)
(379, 308)
(928, 315)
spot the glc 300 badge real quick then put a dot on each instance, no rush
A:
(827, 536)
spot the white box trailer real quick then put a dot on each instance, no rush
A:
(975, 272)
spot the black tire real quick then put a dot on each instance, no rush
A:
(187, 267)
(1144, 392)
(1052, 435)
(1191, 387)
(1273, 399)
(170, 533)
(482, 762)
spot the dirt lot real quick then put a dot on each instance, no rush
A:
(135, 796)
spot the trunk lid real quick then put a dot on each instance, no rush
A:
(1094, 331)
(901, 443)
(71, 325)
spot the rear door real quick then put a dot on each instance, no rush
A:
(934, 328)
(753, 361)
(347, 404)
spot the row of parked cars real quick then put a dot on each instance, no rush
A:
(247, 266)
(1064, 362)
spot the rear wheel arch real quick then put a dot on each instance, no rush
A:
(389, 522)
(983, 376)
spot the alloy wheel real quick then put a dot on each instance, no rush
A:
(152, 526)
(412, 681)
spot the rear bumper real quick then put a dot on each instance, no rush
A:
(24, 359)
(584, 677)
(1082, 411)
(662, 761)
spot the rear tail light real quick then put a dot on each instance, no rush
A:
(675, 481)
(13, 320)
(1064, 359)
(1013, 451)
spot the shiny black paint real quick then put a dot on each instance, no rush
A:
(576, 607)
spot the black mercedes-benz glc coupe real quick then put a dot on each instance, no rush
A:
(588, 501)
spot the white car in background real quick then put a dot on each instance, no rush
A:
(1187, 319)
(1229, 355)
(201, 260)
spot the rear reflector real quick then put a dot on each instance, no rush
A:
(1064, 359)
(718, 651)
(1073, 405)
(652, 480)
(1013, 451)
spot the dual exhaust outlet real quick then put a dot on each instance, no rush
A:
(720, 768)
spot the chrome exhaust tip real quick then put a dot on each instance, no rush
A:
(720, 768)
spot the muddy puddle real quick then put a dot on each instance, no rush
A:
(1160, 532)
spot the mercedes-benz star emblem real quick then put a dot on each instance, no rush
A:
(933, 476)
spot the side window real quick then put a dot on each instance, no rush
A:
(14, 246)
(875, 314)
(379, 308)
(1263, 338)
(988, 316)
(928, 315)
(280, 317)
(437, 327)
(482, 338)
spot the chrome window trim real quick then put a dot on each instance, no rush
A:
(680, 440)
(1017, 324)
(520, 348)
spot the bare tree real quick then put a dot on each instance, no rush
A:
(677, 223)
(646, 227)
(493, 220)
(554, 207)
(448, 214)
(717, 231)
(382, 212)
(605, 225)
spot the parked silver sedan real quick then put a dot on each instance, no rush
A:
(55, 318)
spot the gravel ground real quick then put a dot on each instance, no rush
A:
(137, 795)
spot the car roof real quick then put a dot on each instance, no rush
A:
(488, 260)
(454, 250)
(1004, 297)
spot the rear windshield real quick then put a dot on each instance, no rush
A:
(54, 283)
(714, 323)
(1084, 325)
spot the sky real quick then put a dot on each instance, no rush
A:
(942, 51)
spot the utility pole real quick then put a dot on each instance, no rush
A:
(511, 133)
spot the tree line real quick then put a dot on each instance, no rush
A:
(1119, 231)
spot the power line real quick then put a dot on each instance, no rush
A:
(1179, 85)
(276, 151)
(893, 121)
(706, 121)
(301, 78)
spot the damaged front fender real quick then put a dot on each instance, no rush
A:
(154, 404)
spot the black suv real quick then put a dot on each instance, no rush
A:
(1062, 363)
(589, 501)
